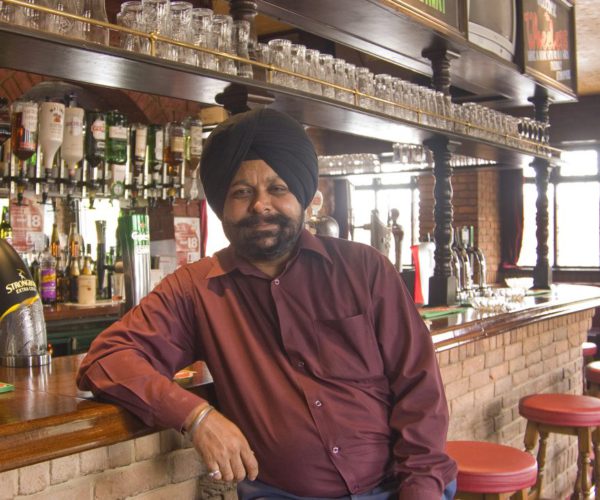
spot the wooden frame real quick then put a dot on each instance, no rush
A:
(557, 19)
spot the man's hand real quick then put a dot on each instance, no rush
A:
(224, 448)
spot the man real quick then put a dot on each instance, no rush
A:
(325, 374)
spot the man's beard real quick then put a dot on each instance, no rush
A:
(251, 243)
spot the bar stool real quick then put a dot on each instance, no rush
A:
(592, 376)
(588, 350)
(568, 414)
(491, 471)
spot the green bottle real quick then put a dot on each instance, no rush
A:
(117, 133)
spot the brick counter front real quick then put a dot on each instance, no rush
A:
(56, 442)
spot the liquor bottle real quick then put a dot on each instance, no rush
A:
(24, 120)
(55, 242)
(34, 268)
(73, 262)
(155, 159)
(174, 146)
(62, 280)
(48, 277)
(5, 227)
(72, 147)
(88, 263)
(4, 120)
(51, 130)
(95, 137)
(116, 138)
(139, 143)
(107, 282)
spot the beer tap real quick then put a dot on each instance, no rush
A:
(477, 259)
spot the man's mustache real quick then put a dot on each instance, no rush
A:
(255, 219)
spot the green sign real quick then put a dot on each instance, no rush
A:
(446, 11)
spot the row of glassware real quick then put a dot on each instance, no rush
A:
(407, 157)
(304, 69)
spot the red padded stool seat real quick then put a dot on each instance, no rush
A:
(568, 414)
(592, 376)
(487, 468)
(589, 349)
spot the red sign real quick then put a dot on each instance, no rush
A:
(27, 221)
(187, 239)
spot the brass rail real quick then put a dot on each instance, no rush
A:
(534, 147)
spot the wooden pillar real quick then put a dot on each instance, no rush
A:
(246, 10)
(542, 272)
(442, 286)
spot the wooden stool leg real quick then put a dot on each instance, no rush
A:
(520, 495)
(596, 443)
(541, 460)
(582, 484)
(530, 440)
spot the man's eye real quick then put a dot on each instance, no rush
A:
(241, 193)
(278, 189)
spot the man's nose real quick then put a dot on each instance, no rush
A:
(261, 203)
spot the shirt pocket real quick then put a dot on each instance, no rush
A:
(347, 348)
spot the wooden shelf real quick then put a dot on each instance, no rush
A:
(77, 61)
(398, 34)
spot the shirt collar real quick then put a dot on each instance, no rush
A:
(226, 260)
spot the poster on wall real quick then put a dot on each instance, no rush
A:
(27, 221)
(548, 43)
(187, 239)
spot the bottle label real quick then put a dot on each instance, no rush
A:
(196, 140)
(51, 121)
(177, 144)
(98, 129)
(117, 132)
(19, 287)
(158, 146)
(74, 126)
(30, 117)
(141, 138)
(48, 285)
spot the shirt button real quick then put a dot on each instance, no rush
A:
(276, 282)
(300, 364)
(335, 450)
(318, 403)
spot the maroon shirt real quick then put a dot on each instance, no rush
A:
(328, 369)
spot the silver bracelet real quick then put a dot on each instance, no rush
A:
(198, 420)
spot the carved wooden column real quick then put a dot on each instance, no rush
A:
(246, 10)
(542, 272)
(442, 286)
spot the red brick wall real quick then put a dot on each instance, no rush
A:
(475, 203)
(136, 105)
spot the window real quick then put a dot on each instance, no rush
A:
(574, 209)
(384, 192)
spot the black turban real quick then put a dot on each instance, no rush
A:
(263, 134)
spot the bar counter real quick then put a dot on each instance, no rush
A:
(488, 361)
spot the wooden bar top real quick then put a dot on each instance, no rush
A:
(69, 311)
(47, 417)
